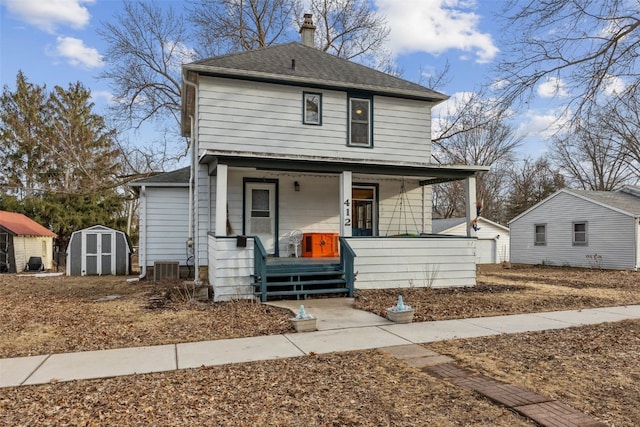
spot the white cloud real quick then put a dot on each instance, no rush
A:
(435, 26)
(552, 87)
(499, 84)
(76, 53)
(49, 14)
(614, 85)
(103, 94)
(545, 124)
(179, 54)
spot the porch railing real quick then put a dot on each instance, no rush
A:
(260, 265)
(347, 256)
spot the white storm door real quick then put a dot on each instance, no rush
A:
(260, 213)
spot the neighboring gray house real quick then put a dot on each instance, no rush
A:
(289, 138)
(493, 239)
(578, 228)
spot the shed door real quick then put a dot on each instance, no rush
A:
(98, 253)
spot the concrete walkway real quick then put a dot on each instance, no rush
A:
(341, 328)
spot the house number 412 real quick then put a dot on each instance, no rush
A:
(347, 213)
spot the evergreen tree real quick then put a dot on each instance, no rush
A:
(61, 164)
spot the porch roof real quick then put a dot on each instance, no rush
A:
(427, 173)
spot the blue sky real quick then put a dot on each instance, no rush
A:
(54, 42)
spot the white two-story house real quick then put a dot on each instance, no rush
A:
(291, 144)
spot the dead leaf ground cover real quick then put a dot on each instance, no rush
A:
(65, 314)
(365, 388)
(358, 388)
(592, 368)
(512, 291)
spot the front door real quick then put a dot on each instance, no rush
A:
(260, 214)
(364, 216)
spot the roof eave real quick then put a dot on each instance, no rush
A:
(214, 71)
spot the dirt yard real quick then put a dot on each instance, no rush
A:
(593, 369)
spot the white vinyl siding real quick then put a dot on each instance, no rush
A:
(167, 223)
(203, 224)
(230, 268)
(404, 262)
(493, 241)
(27, 246)
(261, 118)
(611, 235)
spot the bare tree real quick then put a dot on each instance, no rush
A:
(350, 29)
(623, 123)
(587, 48)
(224, 26)
(591, 155)
(475, 133)
(146, 48)
(529, 182)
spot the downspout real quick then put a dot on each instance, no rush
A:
(143, 244)
(193, 182)
(637, 223)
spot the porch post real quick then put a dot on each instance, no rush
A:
(470, 194)
(346, 204)
(221, 200)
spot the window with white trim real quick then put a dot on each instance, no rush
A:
(540, 234)
(579, 233)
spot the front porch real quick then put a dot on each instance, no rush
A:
(380, 212)
(364, 263)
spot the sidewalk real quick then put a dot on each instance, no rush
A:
(343, 329)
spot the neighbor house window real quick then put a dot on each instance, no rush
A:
(360, 121)
(540, 234)
(312, 104)
(579, 233)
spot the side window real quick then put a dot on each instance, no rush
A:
(540, 237)
(360, 113)
(312, 108)
(579, 233)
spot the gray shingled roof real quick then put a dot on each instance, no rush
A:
(441, 224)
(617, 199)
(313, 67)
(176, 177)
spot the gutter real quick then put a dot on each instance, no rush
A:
(193, 182)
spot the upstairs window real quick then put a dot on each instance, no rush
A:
(540, 235)
(360, 121)
(579, 233)
(312, 106)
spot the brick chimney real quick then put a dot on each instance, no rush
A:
(307, 29)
